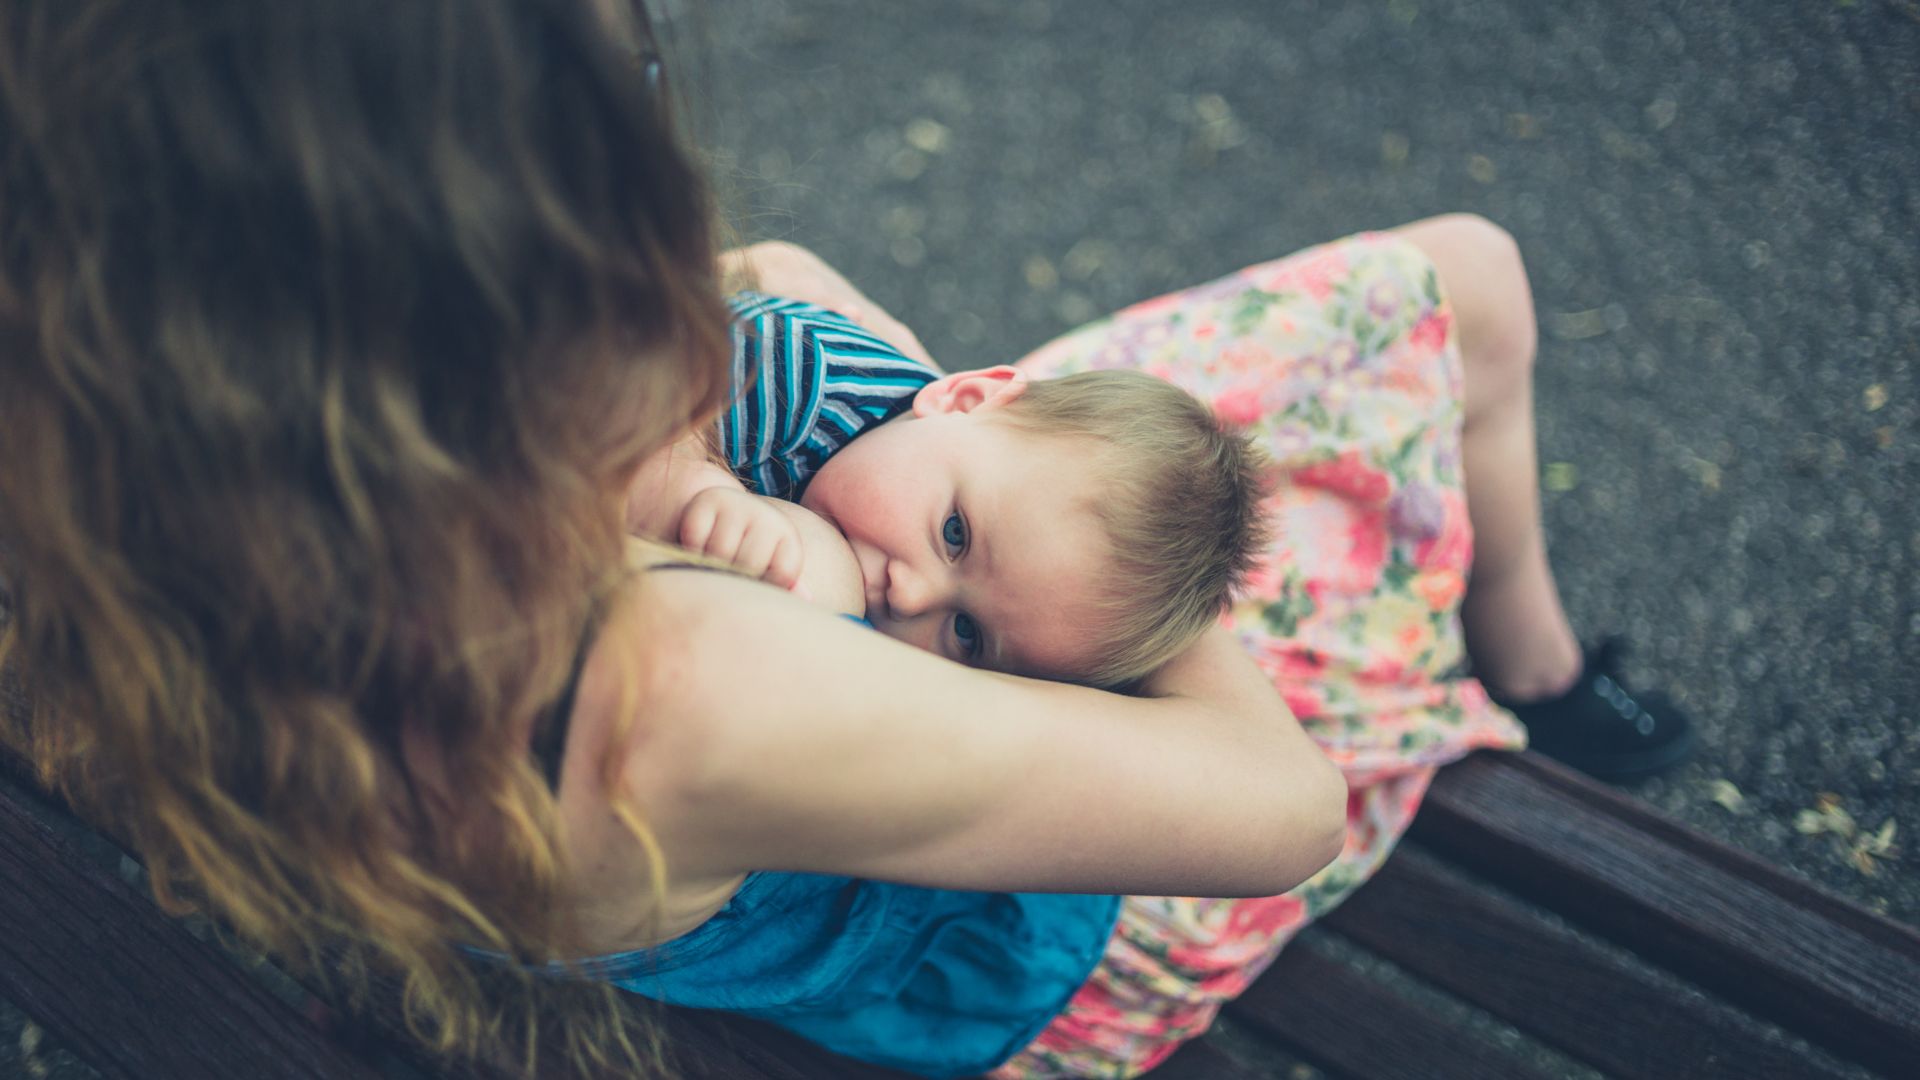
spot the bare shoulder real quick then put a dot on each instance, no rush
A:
(640, 732)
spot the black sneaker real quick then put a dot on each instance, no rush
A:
(1602, 729)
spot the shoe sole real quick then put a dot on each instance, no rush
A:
(1627, 767)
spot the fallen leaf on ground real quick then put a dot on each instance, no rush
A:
(1708, 473)
(1827, 816)
(929, 135)
(1040, 273)
(29, 1050)
(1865, 850)
(1870, 849)
(1577, 325)
(1728, 796)
(1883, 840)
(1394, 148)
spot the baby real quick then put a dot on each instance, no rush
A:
(1085, 528)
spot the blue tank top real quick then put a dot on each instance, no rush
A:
(934, 981)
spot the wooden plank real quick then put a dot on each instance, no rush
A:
(697, 1047)
(1818, 965)
(782, 1055)
(1544, 980)
(785, 1056)
(1356, 1027)
(1201, 1060)
(54, 984)
(770, 1051)
(127, 989)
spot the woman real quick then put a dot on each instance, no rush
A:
(334, 334)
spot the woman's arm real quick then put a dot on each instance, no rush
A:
(788, 270)
(787, 740)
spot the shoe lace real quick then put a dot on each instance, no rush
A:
(1605, 669)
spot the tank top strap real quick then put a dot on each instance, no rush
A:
(550, 731)
(549, 744)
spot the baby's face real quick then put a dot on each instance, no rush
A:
(976, 539)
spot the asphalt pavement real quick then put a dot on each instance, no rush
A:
(1718, 206)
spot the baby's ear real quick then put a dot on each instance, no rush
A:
(966, 391)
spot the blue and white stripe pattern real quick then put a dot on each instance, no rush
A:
(805, 382)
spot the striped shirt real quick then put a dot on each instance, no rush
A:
(805, 382)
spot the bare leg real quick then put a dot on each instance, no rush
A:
(1522, 646)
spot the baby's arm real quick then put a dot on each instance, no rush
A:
(682, 496)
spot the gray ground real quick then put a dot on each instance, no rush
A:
(1718, 206)
(1717, 203)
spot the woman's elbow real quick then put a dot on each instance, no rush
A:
(1329, 818)
(1316, 832)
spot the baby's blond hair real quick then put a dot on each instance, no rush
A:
(1180, 498)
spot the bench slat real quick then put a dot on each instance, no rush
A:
(1361, 1028)
(781, 1055)
(1201, 1060)
(1815, 964)
(772, 1052)
(114, 1034)
(1541, 978)
(128, 989)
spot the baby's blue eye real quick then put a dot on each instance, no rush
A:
(954, 531)
(967, 633)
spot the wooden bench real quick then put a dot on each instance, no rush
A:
(1535, 923)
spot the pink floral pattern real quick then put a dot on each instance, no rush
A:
(1341, 360)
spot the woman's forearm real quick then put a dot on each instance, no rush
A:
(1215, 670)
(900, 765)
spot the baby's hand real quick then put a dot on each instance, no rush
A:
(746, 530)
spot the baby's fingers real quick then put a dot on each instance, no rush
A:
(771, 551)
(787, 562)
(713, 532)
(696, 525)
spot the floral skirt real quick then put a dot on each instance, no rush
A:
(1342, 362)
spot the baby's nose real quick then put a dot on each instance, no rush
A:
(909, 592)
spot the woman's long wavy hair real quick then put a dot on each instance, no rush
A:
(329, 331)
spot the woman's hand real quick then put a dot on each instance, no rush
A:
(788, 270)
